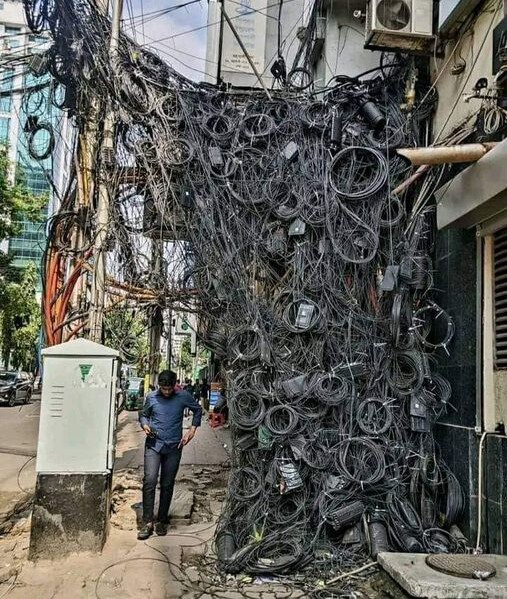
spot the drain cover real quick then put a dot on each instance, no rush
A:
(464, 566)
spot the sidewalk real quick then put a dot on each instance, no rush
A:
(162, 567)
(180, 565)
(17, 461)
(209, 446)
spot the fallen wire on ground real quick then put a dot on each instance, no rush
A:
(311, 278)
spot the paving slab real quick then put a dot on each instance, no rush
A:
(412, 573)
(182, 504)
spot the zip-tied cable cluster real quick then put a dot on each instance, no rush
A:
(312, 279)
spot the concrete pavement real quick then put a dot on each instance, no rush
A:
(20, 428)
(18, 444)
(127, 567)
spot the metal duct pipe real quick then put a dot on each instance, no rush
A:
(446, 154)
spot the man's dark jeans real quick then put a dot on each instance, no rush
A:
(167, 463)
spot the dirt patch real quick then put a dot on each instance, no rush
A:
(209, 484)
(206, 484)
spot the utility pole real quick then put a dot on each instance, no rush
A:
(156, 318)
(84, 497)
(169, 339)
(98, 288)
(221, 43)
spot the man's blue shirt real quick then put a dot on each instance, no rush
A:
(164, 415)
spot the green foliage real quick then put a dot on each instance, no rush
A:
(126, 331)
(20, 316)
(16, 202)
(20, 320)
(185, 358)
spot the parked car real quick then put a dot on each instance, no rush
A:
(15, 387)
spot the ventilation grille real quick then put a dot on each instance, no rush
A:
(501, 299)
(56, 401)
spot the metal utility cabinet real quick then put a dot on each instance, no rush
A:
(76, 450)
(78, 408)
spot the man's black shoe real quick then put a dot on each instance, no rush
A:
(161, 529)
(145, 532)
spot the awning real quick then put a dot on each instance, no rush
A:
(478, 195)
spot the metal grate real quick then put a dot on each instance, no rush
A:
(500, 299)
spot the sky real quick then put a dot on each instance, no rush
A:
(187, 51)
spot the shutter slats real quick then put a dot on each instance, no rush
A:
(500, 263)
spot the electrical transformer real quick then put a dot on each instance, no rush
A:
(78, 408)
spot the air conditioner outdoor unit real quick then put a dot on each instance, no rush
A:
(404, 25)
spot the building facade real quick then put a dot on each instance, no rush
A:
(21, 99)
(337, 47)
(472, 264)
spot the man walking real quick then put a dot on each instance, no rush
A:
(162, 420)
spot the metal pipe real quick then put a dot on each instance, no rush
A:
(412, 179)
(446, 154)
(220, 52)
(245, 51)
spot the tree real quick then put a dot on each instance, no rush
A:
(185, 358)
(16, 205)
(16, 202)
(20, 321)
(126, 331)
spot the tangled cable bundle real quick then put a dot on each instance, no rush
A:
(312, 280)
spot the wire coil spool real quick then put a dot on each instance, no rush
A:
(374, 417)
(248, 410)
(361, 461)
(281, 420)
(41, 141)
(357, 173)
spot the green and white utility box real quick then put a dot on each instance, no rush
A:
(78, 409)
(75, 455)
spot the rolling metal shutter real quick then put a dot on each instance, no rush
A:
(500, 248)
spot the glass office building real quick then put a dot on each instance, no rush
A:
(16, 102)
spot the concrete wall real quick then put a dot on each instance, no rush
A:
(473, 45)
(292, 18)
(342, 52)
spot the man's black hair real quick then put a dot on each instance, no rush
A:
(167, 378)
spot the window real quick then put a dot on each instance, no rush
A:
(500, 298)
(13, 35)
(4, 130)
(6, 83)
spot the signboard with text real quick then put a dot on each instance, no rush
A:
(251, 27)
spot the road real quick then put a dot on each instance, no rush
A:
(18, 446)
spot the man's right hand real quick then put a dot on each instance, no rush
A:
(147, 429)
